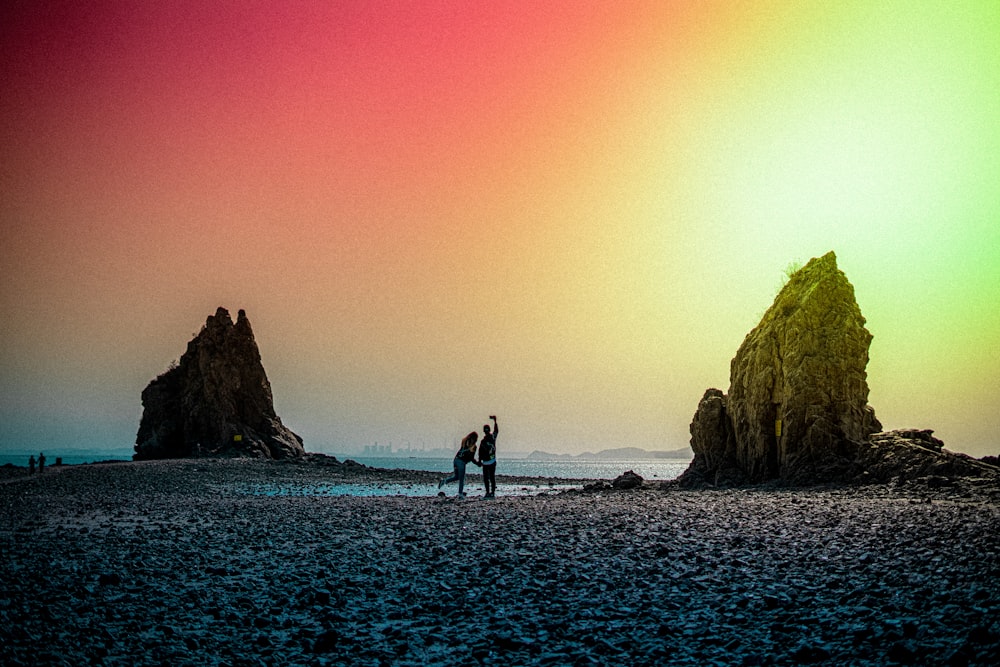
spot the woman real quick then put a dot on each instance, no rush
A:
(466, 453)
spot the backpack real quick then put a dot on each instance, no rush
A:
(487, 450)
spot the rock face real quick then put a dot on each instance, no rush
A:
(910, 455)
(797, 406)
(215, 402)
(797, 409)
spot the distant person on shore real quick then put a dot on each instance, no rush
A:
(466, 453)
(488, 458)
(41, 463)
(31, 464)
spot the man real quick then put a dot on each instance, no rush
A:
(488, 458)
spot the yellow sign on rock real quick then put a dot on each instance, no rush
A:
(237, 438)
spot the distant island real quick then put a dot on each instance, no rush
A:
(618, 454)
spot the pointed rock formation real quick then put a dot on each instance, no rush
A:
(215, 402)
(797, 405)
(797, 408)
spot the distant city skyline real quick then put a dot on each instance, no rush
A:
(376, 449)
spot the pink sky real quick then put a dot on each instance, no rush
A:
(569, 214)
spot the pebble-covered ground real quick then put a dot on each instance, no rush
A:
(182, 563)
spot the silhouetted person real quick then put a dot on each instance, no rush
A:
(31, 464)
(488, 458)
(466, 453)
(41, 463)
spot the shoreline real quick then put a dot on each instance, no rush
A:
(162, 561)
(317, 467)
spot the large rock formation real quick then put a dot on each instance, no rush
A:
(215, 402)
(797, 408)
(797, 405)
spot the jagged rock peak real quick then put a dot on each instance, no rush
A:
(216, 401)
(797, 406)
(797, 409)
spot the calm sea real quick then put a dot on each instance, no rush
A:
(658, 469)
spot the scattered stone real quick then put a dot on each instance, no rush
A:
(594, 487)
(903, 652)
(627, 480)
(833, 575)
(808, 654)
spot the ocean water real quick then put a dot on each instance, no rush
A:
(657, 469)
(569, 470)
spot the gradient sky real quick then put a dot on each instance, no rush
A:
(565, 213)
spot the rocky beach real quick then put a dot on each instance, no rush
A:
(186, 562)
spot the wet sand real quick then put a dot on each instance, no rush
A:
(188, 562)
